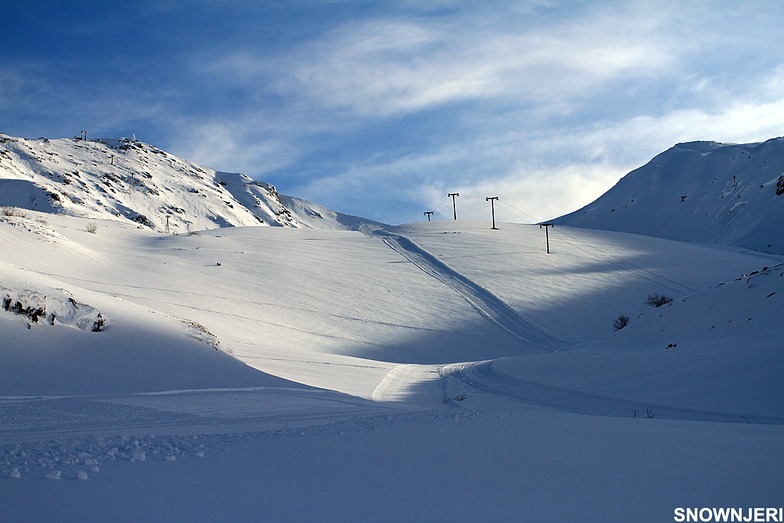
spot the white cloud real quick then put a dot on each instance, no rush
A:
(388, 66)
(594, 158)
(231, 146)
(534, 196)
(539, 174)
(572, 101)
(445, 64)
(373, 68)
(744, 121)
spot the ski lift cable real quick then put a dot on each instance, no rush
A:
(522, 215)
(517, 212)
(656, 279)
(508, 208)
(440, 205)
(645, 270)
(471, 196)
(574, 241)
(534, 220)
(439, 210)
(515, 215)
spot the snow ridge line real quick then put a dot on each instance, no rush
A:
(485, 302)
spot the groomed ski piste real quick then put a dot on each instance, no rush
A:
(438, 371)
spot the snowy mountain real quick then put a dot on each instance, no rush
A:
(130, 180)
(705, 192)
(437, 371)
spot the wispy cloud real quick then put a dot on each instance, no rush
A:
(389, 66)
(544, 173)
(235, 145)
(381, 110)
(595, 157)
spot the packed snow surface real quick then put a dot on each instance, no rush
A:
(433, 372)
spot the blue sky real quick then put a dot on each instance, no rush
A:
(379, 109)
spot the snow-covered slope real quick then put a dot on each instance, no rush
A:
(438, 371)
(703, 192)
(715, 355)
(130, 180)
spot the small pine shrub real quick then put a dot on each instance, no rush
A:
(620, 322)
(657, 300)
(13, 211)
(92, 228)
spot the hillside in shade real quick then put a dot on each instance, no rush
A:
(130, 180)
(704, 192)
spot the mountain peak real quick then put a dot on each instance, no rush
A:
(126, 179)
(700, 145)
(705, 192)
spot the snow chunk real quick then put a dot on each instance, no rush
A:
(198, 331)
(57, 306)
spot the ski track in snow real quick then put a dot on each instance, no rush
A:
(402, 381)
(481, 299)
(40, 434)
(483, 377)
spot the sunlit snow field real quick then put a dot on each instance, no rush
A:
(429, 372)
